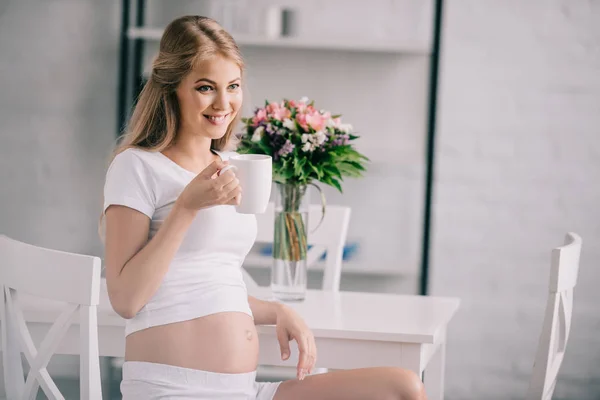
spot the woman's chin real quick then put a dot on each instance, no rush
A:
(217, 136)
(214, 132)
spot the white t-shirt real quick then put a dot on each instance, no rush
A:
(205, 275)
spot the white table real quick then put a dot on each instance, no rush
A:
(352, 330)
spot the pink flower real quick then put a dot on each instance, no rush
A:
(278, 112)
(301, 118)
(281, 114)
(272, 107)
(261, 115)
(301, 107)
(317, 121)
(337, 122)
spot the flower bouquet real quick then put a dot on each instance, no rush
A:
(306, 145)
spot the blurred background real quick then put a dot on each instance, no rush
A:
(510, 98)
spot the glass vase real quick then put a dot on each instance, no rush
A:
(289, 269)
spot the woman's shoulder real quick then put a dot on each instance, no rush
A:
(134, 152)
(135, 157)
(135, 162)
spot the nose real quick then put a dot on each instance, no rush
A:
(221, 101)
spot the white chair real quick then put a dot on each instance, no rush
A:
(557, 320)
(329, 237)
(55, 275)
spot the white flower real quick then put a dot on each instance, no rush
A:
(258, 134)
(320, 137)
(305, 137)
(346, 128)
(304, 99)
(288, 123)
(307, 147)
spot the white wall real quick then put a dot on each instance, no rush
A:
(518, 165)
(58, 70)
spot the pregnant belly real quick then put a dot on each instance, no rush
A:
(226, 342)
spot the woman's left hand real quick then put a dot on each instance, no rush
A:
(290, 326)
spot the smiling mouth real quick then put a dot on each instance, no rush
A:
(216, 119)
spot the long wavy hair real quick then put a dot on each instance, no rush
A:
(186, 42)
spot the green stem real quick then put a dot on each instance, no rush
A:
(290, 232)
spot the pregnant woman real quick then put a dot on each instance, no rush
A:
(174, 244)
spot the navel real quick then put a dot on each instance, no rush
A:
(249, 335)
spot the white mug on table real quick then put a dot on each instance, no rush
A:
(255, 173)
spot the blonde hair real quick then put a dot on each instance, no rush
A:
(185, 42)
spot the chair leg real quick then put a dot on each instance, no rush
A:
(14, 377)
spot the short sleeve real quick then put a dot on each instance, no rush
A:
(130, 183)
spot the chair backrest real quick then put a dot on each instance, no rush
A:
(329, 238)
(55, 275)
(557, 320)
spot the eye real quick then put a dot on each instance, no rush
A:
(234, 86)
(204, 88)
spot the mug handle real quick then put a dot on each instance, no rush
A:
(323, 205)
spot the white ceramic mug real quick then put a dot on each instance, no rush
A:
(255, 173)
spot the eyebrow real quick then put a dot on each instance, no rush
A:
(213, 82)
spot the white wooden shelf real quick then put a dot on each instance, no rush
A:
(350, 45)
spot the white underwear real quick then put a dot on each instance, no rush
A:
(150, 381)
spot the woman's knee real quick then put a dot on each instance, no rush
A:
(408, 385)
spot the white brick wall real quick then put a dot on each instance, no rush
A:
(58, 77)
(517, 166)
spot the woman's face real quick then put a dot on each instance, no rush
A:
(210, 97)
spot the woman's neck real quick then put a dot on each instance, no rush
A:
(191, 151)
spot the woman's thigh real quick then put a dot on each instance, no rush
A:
(357, 384)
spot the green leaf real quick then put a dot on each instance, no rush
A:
(348, 170)
(317, 171)
(356, 165)
(265, 146)
(299, 163)
(333, 170)
(333, 182)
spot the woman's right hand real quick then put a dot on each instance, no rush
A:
(209, 188)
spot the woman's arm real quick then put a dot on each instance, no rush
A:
(264, 312)
(135, 267)
(289, 326)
